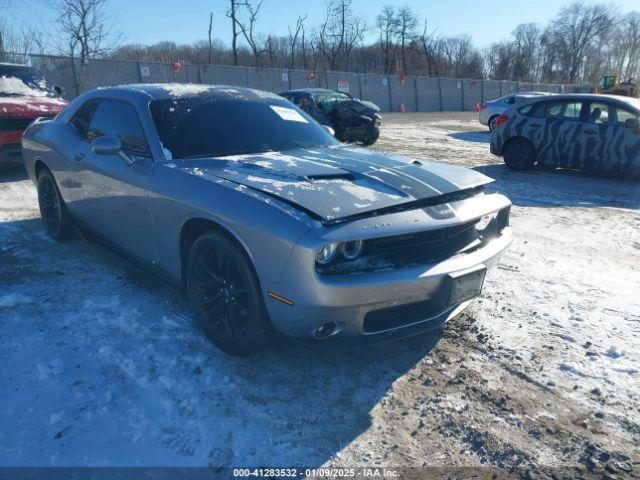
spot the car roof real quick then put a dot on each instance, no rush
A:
(533, 94)
(169, 91)
(633, 102)
(308, 90)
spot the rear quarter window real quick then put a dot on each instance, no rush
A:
(533, 110)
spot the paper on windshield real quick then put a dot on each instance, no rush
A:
(288, 114)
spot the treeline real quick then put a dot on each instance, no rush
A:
(582, 42)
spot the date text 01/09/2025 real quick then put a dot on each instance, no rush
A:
(376, 472)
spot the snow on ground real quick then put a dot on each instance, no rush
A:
(103, 364)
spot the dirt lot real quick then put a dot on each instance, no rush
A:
(103, 365)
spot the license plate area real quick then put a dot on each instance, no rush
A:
(465, 285)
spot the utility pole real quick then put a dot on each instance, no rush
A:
(210, 45)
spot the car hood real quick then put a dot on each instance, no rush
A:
(30, 106)
(338, 182)
(357, 107)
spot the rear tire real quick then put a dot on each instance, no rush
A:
(55, 217)
(519, 154)
(493, 123)
(226, 296)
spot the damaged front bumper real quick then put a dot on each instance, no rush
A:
(385, 303)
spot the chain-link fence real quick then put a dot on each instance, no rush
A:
(393, 93)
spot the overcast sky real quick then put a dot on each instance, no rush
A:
(150, 21)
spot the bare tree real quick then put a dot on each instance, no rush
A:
(526, 38)
(293, 39)
(577, 28)
(338, 33)
(388, 28)
(304, 48)
(429, 45)
(407, 23)
(532, 52)
(232, 14)
(86, 26)
(247, 27)
(626, 47)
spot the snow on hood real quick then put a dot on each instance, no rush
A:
(15, 86)
(337, 182)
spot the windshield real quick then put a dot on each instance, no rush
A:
(328, 101)
(208, 126)
(23, 81)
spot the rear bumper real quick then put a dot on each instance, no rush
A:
(10, 149)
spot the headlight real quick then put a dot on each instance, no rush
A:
(351, 250)
(326, 253)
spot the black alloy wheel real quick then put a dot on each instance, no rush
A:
(519, 154)
(53, 211)
(225, 294)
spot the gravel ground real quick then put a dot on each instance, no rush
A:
(104, 366)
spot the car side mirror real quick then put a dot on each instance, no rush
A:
(58, 89)
(330, 130)
(110, 145)
(632, 124)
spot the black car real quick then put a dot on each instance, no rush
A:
(351, 119)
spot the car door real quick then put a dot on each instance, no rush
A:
(599, 130)
(560, 143)
(624, 143)
(76, 148)
(114, 196)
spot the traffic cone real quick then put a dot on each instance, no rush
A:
(477, 107)
(402, 109)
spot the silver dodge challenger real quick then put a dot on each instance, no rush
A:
(263, 218)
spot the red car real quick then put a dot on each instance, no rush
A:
(25, 94)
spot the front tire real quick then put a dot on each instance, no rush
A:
(55, 217)
(369, 141)
(226, 296)
(519, 154)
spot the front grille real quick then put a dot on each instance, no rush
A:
(421, 248)
(18, 124)
(409, 250)
(394, 317)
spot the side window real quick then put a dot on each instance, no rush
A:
(533, 109)
(526, 109)
(568, 110)
(598, 113)
(80, 121)
(623, 115)
(113, 117)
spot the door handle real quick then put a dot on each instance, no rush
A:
(588, 132)
(78, 157)
(535, 125)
